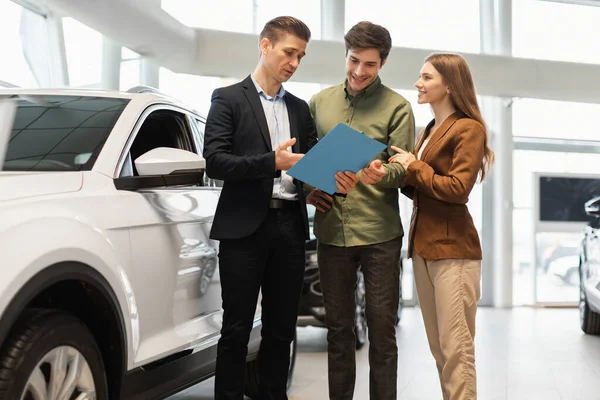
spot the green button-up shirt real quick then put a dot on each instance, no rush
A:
(369, 214)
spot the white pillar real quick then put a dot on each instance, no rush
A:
(111, 64)
(149, 70)
(503, 204)
(59, 71)
(149, 73)
(333, 19)
(496, 38)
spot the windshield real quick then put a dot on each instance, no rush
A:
(60, 133)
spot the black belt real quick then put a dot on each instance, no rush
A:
(281, 204)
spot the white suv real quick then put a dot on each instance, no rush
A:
(109, 285)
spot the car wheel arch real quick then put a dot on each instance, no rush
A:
(39, 288)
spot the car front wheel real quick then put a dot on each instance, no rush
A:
(51, 354)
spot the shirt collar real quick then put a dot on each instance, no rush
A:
(372, 88)
(261, 92)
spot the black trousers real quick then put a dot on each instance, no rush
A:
(338, 267)
(272, 261)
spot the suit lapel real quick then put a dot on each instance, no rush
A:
(440, 132)
(293, 117)
(253, 98)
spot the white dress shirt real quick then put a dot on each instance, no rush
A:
(278, 121)
(423, 146)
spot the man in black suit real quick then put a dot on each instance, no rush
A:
(261, 218)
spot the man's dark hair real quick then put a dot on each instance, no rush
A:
(367, 35)
(275, 27)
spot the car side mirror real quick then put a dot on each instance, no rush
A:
(592, 207)
(165, 167)
(166, 160)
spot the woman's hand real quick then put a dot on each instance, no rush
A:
(403, 158)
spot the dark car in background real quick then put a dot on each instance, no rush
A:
(312, 311)
(589, 271)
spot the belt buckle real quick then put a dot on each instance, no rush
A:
(276, 203)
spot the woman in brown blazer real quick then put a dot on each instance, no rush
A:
(451, 154)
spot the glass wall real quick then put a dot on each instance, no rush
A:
(309, 11)
(557, 252)
(193, 90)
(429, 24)
(525, 163)
(245, 16)
(569, 120)
(84, 53)
(423, 113)
(130, 69)
(226, 15)
(555, 31)
(15, 67)
(304, 90)
(549, 277)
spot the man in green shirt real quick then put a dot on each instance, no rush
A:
(363, 227)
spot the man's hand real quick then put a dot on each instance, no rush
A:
(345, 181)
(285, 159)
(321, 200)
(374, 173)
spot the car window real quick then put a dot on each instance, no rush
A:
(60, 133)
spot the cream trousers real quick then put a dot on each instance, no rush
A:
(448, 292)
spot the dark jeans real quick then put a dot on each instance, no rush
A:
(272, 260)
(338, 268)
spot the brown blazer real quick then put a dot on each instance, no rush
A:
(441, 225)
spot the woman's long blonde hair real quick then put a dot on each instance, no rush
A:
(457, 76)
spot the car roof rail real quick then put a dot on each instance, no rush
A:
(143, 89)
(5, 84)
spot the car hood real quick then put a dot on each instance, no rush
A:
(21, 185)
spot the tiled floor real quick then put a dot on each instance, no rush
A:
(522, 354)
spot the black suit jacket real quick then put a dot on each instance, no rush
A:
(237, 149)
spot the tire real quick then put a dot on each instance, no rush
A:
(360, 328)
(39, 337)
(589, 320)
(252, 375)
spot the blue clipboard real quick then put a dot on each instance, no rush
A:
(342, 149)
